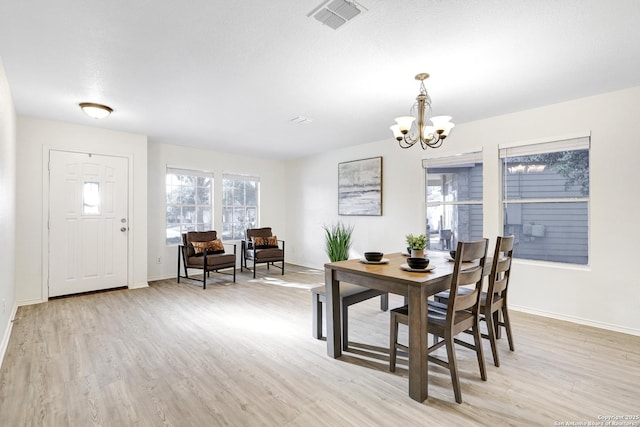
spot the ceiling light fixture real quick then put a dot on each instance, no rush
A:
(428, 136)
(96, 111)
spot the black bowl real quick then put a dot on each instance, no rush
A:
(453, 254)
(418, 263)
(373, 256)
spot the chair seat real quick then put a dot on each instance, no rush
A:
(437, 313)
(444, 295)
(266, 254)
(213, 261)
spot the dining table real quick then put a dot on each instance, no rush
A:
(390, 275)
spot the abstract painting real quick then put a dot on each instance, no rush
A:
(360, 187)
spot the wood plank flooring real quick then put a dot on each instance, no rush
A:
(243, 355)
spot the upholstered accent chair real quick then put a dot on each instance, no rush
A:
(203, 250)
(261, 247)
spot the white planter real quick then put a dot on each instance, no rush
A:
(417, 253)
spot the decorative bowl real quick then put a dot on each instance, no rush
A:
(373, 256)
(453, 254)
(418, 263)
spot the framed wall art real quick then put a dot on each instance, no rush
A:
(360, 187)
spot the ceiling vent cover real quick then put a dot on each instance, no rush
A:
(337, 12)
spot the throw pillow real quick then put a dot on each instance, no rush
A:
(212, 247)
(265, 242)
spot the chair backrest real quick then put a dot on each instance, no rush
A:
(197, 236)
(259, 232)
(475, 252)
(501, 267)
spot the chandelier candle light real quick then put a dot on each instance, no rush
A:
(428, 136)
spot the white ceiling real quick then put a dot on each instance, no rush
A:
(229, 76)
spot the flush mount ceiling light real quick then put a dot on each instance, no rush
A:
(96, 111)
(428, 136)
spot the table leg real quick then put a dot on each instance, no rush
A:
(418, 340)
(332, 292)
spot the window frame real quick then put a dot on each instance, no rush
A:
(195, 174)
(245, 178)
(570, 142)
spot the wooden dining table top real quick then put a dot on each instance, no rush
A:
(392, 272)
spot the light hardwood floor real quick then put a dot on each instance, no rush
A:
(242, 355)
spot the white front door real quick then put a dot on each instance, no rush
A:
(88, 222)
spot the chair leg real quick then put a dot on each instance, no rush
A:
(496, 324)
(345, 325)
(491, 332)
(283, 267)
(178, 276)
(453, 367)
(317, 316)
(477, 339)
(507, 326)
(384, 302)
(393, 340)
(234, 274)
(254, 267)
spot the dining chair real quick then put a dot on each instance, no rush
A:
(494, 301)
(349, 294)
(448, 320)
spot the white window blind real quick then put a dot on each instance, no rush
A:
(579, 143)
(455, 160)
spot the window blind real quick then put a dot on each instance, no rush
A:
(455, 160)
(578, 143)
(190, 172)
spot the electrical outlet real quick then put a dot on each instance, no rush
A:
(159, 260)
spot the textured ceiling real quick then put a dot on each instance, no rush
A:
(230, 76)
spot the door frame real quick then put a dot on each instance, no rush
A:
(46, 149)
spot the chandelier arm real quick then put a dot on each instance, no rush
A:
(435, 143)
(408, 140)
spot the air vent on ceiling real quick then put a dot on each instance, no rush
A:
(337, 12)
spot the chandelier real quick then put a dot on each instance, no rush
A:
(408, 134)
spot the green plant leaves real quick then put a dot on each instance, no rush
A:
(338, 241)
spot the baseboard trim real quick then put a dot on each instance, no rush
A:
(169, 276)
(577, 320)
(30, 302)
(7, 334)
(139, 285)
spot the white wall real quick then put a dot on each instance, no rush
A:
(272, 196)
(7, 210)
(35, 138)
(605, 294)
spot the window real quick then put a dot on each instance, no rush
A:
(240, 202)
(546, 200)
(454, 200)
(189, 195)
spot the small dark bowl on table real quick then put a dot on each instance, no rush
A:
(373, 256)
(453, 254)
(418, 263)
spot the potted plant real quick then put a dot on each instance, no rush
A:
(416, 245)
(338, 241)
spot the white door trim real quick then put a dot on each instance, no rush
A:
(44, 292)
